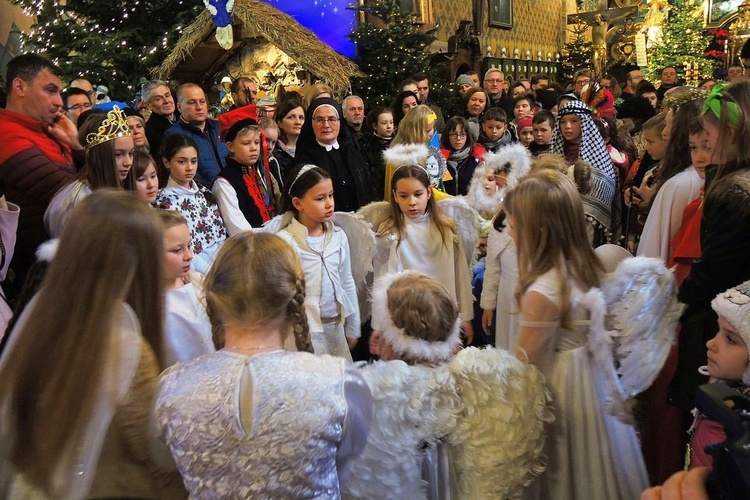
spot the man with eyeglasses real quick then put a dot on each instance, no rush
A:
(75, 102)
(159, 100)
(195, 123)
(581, 79)
(493, 85)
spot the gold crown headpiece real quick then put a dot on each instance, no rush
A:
(114, 125)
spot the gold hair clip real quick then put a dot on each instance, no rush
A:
(114, 125)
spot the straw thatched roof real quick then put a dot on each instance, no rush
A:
(197, 55)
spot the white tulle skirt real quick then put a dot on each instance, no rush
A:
(590, 454)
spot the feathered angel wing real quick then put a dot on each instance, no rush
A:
(467, 220)
(277, 223)
(632, 327)
(362, 246)
(499, 409)
(375, 213)
(403, 418)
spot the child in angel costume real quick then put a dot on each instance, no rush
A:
(446, 423)
(308, 225)
(413, 234)
(507, 166)
(254, 420)
(598, 342)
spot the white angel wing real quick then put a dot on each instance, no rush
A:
(277, 223)
(403, 418)
(635, 334)
(362, 247)
(467, 220)
(499, 409)
(375, 213)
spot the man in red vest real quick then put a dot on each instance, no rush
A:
(39, 149)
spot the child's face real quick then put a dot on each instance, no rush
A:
(179, 253)
(147, 185)
(384, 127)
(521, 109)
(411, 196)
(123, 156)
(430, 131)
(246, 147)
(542, 133)
(457, 138)
(316, 205)
(727, 353)
(700, 154)
(183, 166)
(731, 150)
(655, 145)
(493, 129)
(526, 135)
(570, 127)
(272, 136)
(652, 98)
(490, 184)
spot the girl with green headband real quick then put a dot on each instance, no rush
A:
(725, 232)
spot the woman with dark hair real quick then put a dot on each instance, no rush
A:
(402, 104)
(290, 116)
(322, 143)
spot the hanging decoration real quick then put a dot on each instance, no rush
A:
(221, 11)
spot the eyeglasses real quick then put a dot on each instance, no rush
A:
(76, 107)
(583, 82)
(457, 135)
(495, 80)
(321, 120)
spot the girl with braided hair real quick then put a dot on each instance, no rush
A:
(323, 249)
(279, 424)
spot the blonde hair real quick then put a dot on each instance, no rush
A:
(657, 122)
(110, 252)
(413, 127)
(422, 307)
(170, 218)
(555, 161)
(257, 278)
(268, 123)
(737, 92)
(558, 242)
(395, 222)
(313, 92)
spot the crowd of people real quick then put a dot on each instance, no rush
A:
(321, 298)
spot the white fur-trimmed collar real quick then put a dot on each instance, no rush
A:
(47, 250)
(406, 154)
(399, 340)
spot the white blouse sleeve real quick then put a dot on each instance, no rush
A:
(229, 206)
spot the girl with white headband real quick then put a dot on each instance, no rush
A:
(323, 249)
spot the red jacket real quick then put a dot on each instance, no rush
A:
(33, 167)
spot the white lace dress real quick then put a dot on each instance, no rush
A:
(591, 454)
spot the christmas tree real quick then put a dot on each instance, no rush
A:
(110, 43)
(681, 41)
(390, 48)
